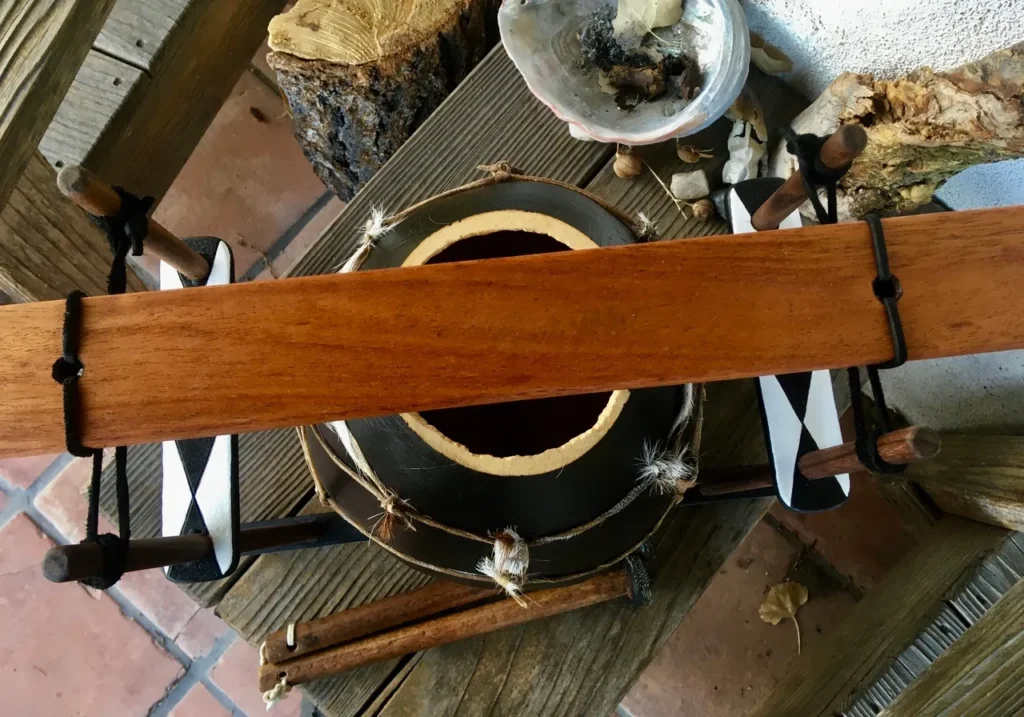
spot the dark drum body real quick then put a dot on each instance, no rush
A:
(580, 481)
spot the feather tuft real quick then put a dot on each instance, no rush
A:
(666, 471)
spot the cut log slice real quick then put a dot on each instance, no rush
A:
(362, 75)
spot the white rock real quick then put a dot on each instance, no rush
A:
(745, 154)
(690, 185)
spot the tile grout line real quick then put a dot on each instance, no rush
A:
(278, 247)
(22, 501)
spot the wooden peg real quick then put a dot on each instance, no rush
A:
(841, 148)
(901, 447)
(97, 197)
(442, 630)
(371, 618)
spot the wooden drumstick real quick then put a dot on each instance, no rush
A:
(365, 620)
(97, 197)
(841, 148)
(901, 447)
(443, 630)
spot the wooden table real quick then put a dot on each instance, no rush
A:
(576, 664)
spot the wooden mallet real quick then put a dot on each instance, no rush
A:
(97, 197)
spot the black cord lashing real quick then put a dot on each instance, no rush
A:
(125, 232)
(807, 150)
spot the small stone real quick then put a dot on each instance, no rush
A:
(690, 185)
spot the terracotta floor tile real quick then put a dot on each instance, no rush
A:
(236, 673)
(198, 636)
(64, 500)
(863, 539)
(723, 660)
(159, 599)
(199, 703)
(247, 181)
(23, 472)
(63, 652)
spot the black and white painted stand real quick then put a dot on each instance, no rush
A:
(200, 483)
(798, 410)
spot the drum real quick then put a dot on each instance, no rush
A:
(536, 491)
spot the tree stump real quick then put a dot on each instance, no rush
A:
(922, 129)
(360, 77)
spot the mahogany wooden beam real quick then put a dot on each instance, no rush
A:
(256, 356)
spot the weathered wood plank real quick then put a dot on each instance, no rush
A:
(160, 122)
(883, 623)
(47, 246)
(490, 117)
(273, 482)
(977, 476)
(137, 29)
(100, 87)
(42, 45)
(981, 675)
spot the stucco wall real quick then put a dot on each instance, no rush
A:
(889, 38)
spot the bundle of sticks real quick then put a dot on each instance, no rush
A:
(438, 614)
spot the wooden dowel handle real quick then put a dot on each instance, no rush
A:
(365, 620)
(446, 629)
(841, 148)
(67, 563)
(901, 447)
(906, 445)
(97, 197)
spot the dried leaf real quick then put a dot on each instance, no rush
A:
(781, 603)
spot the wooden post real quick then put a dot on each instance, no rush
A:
(841, 148)
(97, 197)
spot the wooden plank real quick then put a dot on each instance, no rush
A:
(663, 313)
(880, 625)
(47, 246)
(977, 476)
(137, 29)
(160, 122)
(101, 85)
(981, 675)
(42, 45)
(273, 481)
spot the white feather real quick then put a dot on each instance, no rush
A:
(664, 470)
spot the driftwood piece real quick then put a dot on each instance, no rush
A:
(922, 129)
(360, 80)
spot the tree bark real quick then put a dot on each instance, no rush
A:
(922, 129)
(360, 80)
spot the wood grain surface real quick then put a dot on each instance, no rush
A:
(102, 85)
(978, 477)
(207, 47)
(47, 246)
(42, 45)
(820, 681)
(300, 351)
(981, 675)
(136, 30)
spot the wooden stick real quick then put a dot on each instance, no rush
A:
(365, 620)
(69, 563)
(97, 197)
(841, 148)
(444, 630)
(262, 355)
(900, 447)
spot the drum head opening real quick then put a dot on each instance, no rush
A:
(522, 437)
